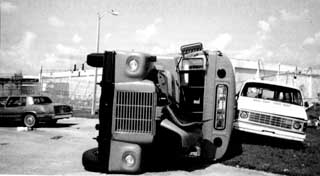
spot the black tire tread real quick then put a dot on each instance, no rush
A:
(90, 160)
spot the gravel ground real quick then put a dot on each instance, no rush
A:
(57, 150)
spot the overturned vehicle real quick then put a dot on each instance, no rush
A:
(161, 106)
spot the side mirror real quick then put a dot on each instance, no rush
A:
(306, 104)
(95, 59)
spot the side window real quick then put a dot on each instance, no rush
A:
(16, 102)
(23, 101)
(287, 97)
(268, 94)
(36, 100)
(3, 101)
(252, 92)
(41, 100)
(297, 99)
(46, 100)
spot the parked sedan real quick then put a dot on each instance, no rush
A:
(30, 110)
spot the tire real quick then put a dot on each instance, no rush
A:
(90, 160)
(30, 120)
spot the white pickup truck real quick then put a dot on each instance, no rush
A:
(271, 109)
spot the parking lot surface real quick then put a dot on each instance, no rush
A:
(57, 150)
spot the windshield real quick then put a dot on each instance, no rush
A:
(272, 92)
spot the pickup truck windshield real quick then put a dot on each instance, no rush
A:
(272, 92)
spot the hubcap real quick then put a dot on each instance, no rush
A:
(29, 121)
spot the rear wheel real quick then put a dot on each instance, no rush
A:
(29, 120)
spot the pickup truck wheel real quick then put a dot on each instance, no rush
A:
(29, 120)
(90, 160)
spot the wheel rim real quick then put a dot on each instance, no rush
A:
(29, 121)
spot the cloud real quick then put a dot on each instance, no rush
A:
(309, 41)
(289, 16)
(166, 49)
(7, 7)
(63, 57)
(275, 50)
(69, 52)
(21, 50)
(314, 40)
(272, 19)
(19, 55)
(252, 52)
(53, 62)
(264, 29)
(264, 26)
(221, 42)
(55, 21)
(76, 38)
(144, 35)
(107, 36)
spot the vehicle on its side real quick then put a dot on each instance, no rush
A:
(271, 109)
(32, 109)
(159, 108)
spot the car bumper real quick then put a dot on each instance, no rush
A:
(45, 117)
(62, 116)
(50, 117)
(257, 129)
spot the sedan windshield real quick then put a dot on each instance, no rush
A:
(272, 92)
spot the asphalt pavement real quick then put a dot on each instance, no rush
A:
(57, 150)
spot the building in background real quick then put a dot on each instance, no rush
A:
(18, 84)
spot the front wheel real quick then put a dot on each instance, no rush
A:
(90, 160)
(29, 120)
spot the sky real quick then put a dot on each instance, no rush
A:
(55, 35)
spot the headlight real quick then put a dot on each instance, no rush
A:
(133, 65)
(243, 114)
(297, 125)
(129, 159)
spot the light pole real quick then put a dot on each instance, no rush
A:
(99, 17)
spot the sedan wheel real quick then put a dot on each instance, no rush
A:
(29, 120)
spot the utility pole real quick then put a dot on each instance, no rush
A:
(99, 17)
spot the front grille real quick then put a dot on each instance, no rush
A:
(135, 112)
(270, 120)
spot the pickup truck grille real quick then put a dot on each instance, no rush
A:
(135, 112)
(271, 120)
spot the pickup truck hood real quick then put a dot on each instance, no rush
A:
(272, 107)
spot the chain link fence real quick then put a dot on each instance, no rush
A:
(75, 89)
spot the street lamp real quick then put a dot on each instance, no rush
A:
(99, 17)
